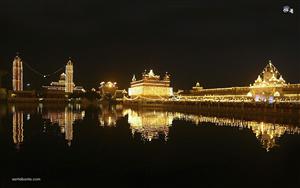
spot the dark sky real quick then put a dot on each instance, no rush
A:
(217, 43)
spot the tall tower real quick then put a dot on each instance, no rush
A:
(69, 77)
(17, 81)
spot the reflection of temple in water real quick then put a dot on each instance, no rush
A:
(18, 123)
(109, 115)
(266, 133)
(65, 120)
(151, 123)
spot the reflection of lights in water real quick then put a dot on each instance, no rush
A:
(109, 116)
(18, 123)
(65, 120)
(151, 124)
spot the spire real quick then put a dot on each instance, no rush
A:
(70, 61)
(133, 78)
(270, 62)
(167, 76)
(151, 73)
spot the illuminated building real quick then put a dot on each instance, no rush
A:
(17, 73)
(268, 87)
(108, 90)
(60, 85)
(65, 83)
(150, 86)
(196, 88)
(69, 77)
(18, 123)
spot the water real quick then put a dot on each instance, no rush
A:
(114, 146)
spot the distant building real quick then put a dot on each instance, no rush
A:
(17, 72)
(268, 87)
(69, 77)
(151, 86)
(65, 83)
(60, 85)
(108, 90)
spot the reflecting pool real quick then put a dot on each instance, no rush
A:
(116, 146)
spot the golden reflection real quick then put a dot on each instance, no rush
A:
(151, 123)
(65, 120)
(109, 115)
(18, 123)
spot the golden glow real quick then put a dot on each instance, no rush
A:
(109, 115)
(17, 80)
(65, 120)
(152, 123)
(18, 123)
(69, 77)
(151, 86)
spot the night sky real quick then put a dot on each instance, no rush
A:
(217, 43)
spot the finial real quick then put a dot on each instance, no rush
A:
(270, 62)
(70, 61)
(133, 78)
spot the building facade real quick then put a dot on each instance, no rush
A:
(65, 83)
(151, 86)
(69, 77)
(268, 87)
(17, 72)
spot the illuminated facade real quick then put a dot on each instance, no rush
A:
(268, 87)
(69, 77)
(60, 85)
(65, 82)
(150, 86)
(108, 89)
(17, 73)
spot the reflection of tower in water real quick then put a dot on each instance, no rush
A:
(18, 134)
(69, 120)
(65, 119)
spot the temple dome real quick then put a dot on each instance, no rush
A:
(269, 76)
(62, 76)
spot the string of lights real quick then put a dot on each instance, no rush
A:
(42, 74)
